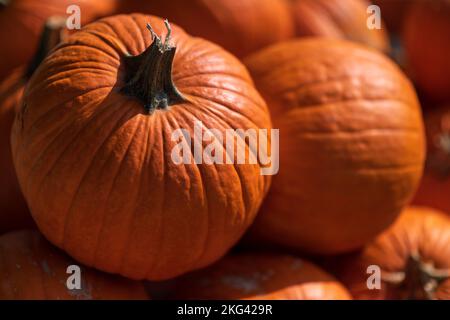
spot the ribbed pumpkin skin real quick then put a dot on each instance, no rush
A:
(434, 189)
(418, 229)
(351, 143)
(342, 19)
(248, 276)
(32, 269)
(426, 39)
(24, 19)
(13, 208)
(241, 27)
(96, 170)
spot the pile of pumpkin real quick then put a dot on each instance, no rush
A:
(86, 176)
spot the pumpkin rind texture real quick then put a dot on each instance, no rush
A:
(240, 27)
(260, 276)
(96, 169)
(419, 231)
(351, 144)
(32, 269)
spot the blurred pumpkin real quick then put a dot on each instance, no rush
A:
(241, 27)
(13, 208)
(21, 22)
(434, 189)
(426, 38)
(32, 269)
(262, 276)
(344, 19)
(413, 256)
(93, 148)
(351, 144)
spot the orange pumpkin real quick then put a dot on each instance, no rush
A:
(343, 19)
(261, 277)
(93, 148)
(351, 143)
(32, 269)
(413, 257)
(426, 38)
(434, 189)
(241, 27)
(13, 208)
(21, 22)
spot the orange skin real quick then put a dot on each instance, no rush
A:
(426, 39)
(418, 230)
(260, 277)
(352, 144)
(241, 27)
(96, 168)
(338, 19)
(434, 189)
(32, 269)
(21, 22)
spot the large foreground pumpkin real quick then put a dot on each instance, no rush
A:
(241, 27)
(426, 38)
(344, 19)
(434, 189)
(261, 277)
(31, 268)
(93, 149)
(21, 22)
(351, 143)
(14, 212)
(413, 256)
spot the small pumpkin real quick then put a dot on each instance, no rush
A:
(13, 208)
(241, 27)
(32, 269)
(352, 143)
(434, 189)
(93, 146)
(426, 39)
(260, 276)
(413, 256)
(342, 19)
(25, 20)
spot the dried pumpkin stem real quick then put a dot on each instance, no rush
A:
(149, 75)
(52, 34)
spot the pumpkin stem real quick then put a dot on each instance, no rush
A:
(149, 75)
(419, 280)
(52, 34)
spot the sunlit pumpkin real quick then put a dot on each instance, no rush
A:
(352, 143)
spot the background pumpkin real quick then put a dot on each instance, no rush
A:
(434, 189)
(241, 27)
(343, 19)
(351, 143)
(13, 208)
(94, 163)
(413, 255)
(26, 18)
(426, 39)
(263, 276)
(31, 269)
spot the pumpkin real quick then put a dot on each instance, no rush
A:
(241, 27)
(93, 148)
(32, 269)
(13, 208)
(26, 18)
(413, 257)
(351, 144)
(426, 39)
(434, 189)
(260, 276)
(343, 19)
